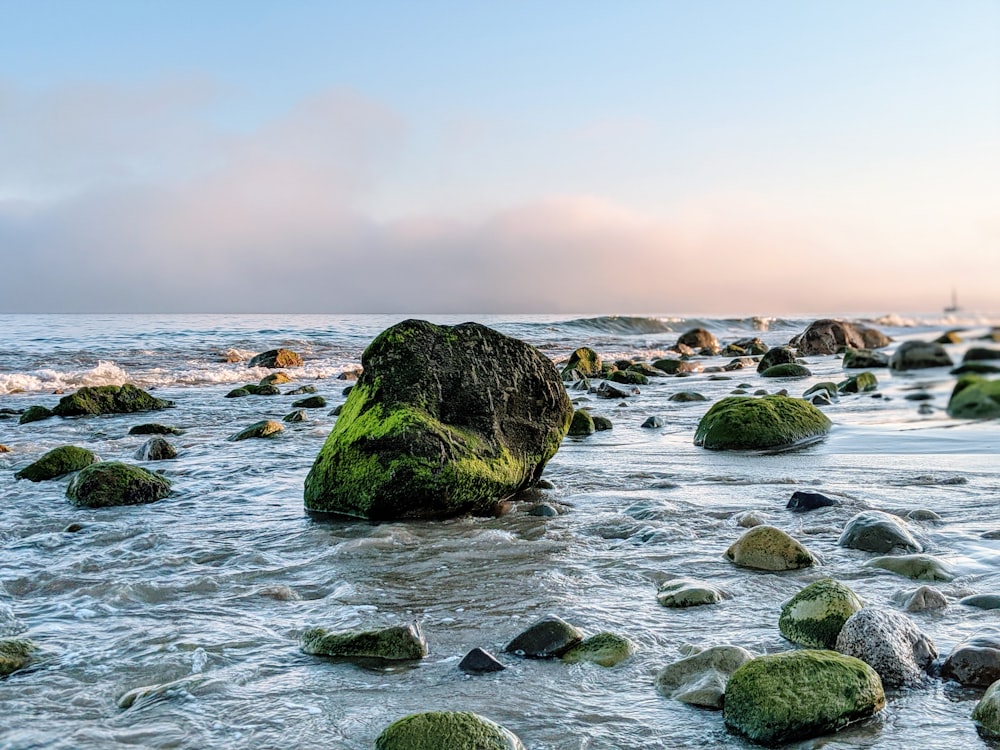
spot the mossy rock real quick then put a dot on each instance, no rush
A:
(296, 416)
(584, 361)
(262, 390)
(768, 548)
(602, 423)
(263, 429)
(302, 390)
(766, 423)
(275, 378)
(783, 697)
(446, 730)
(108, 399)
(788, 370)
(917, 567)
(975, 398)
(111, 483)
(398, 643)
(864, 359)
(444, 420)
(35, 414)
(604, 649)
(825, 387)
(15, 654)
(986, 714)
(629, 377)
(647, 369)
(582, 424)
(57, 462)
(276, 359)
(152, 428)
(861, 383)
(686, 397)
(240, 392)
(815, 615)
(312, 402)
(779, 355)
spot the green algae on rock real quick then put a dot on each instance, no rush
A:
(768, 422)
(605, 649)
(263, 429)
(799, 694)
(108, 399)
(15, 654)
(583, 363)
(444, 420)
(57, 462)
(398, 643)
(35, 414)
(986, 714)
(110, 483)
(863, 382)
(975, 398)
(446, 730)
(582, 424)
(768, 548)
(787, 370)
(815, 615)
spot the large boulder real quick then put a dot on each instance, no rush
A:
(890, 643)
(974, 662)
(766, 423)
(768, 548)
(108, 399)
(700, 679)
(875, 531)
(444, 420)
(400, 642)
(57, 462)
(815, 615)
(794, 695)
(829, 336)
(975, 398)
(446, 730)
(112, 483)
(276, 359)
(919, 355)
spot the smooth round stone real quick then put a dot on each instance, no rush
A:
(975, 661)
(446, 730)
(543, 510)
(546, 638)
(111, 483)
(604, 649)
(700, 679)
(602, 423)
(815, 615)
(311, 402)
(480, 661)
(875, 531)
(982, 601)
(922, 599)
(582, 424)
(805, 500)
(56, 463)
(918, 567)
(299, 415)
(769, 548)
(922, 514)
(686, 592)
(890, 643)
(749, 518)
(686, 397)
(156, 449)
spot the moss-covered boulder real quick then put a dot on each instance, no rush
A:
(15, 654)
(829, 336)
(35, 414)
(864, 359)
(975, 398)
(263, 429)
(799, 694)
(815, 615)
(768, 548)
(766, 423)
(917, 567)
(57, 462)
(275, 378)
(275, 359)
(605, 649)
(446, 730)
(861, 383)
(602, 423)
(112, 483)
(401, 642)
(444, 420)
(700, 679)
(629, 377)
(153, 428)
(582, 424)
(986, 714)
(919, 355)
(310, 402)
(584, 362)
(789, 370)
(108, 399)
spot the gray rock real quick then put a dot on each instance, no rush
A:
(975, 661)
(479, 661)
(918, 567)
(547, 638)
(686, 592)
(701, 679)
(918, 355)
(652, 423)
(299, 415)
(982, 601)
(401, 642)
(156, 449)
(875, 531)
(922, 599)
(890, 643)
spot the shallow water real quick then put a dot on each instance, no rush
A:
(212, 586)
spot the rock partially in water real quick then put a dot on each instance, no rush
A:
(769, 422)
(446, 730)
(275, 378)
(35, 414)
(57, 463)
(919, 355)
(444, 420)
(302, 390)
(312, 402)
(687, 592)
(240, 392)
(602, 423)
(805, 500)
(583, 363)
(686, 397)
(629, 377)
(783, 697)
(582, 424)
(397, 643)
(299, 415)
(975, 662)
(261, 390)
(981, 601)
(975, 398)
(864, 359)
(108, 399)
(262, 429)
(875, 531)
(605, 649)
(918, 567)
(790, 370)
(815, 615)
(677, 366)
(779, 355)
(769, 548)
(699, 338)
(922, 599)
(156, 449)
(15, 654)
(986, 714)
(480, 661)
(274, 359)
(110, 483)
(979, 353)
(890, 643)
(861, 383)
(652, 423)
(140, 694)
(700, 679)
(828, 336)
(949, 337)
(546, 638)
(153, 428)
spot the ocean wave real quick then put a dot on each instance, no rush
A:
(625, 324)
(104, 373)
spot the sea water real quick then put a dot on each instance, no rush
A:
(205, 594)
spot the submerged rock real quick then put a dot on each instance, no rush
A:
(799, 694)
(108, 399)
(769, 548)
(804, 500)
(918, 567)
(768, 422)
(890, 643)
(480, 661)
(56, 463)
(446, 730)
(652, 423)
(815, 615)
(875, 531)
(700, 679)
(986, 714)
(15, 654)
(918, 355)
(276, 359)
(401, 642)
(546, 638)
(152, 428)
(686, 592)
(111, 483)
(156, 449)
(975, 661)
(35, 414)
(604, 649)
(262, 429)
(443, 421)
(975, 398)
(981, 601)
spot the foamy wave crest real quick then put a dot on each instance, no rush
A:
(626, 325)
(237, 355)
(105, 373)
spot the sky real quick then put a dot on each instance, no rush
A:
(661, 156)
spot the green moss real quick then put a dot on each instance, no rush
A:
(312, 402)
(605, 649)
(154, 429)
(784, 697)
(585, 361)
(261, 390)
(57, 462)
(975, 398)
(744, 423)
(35, 414)
(403, 642)
(825, 387)
(787, 370)
(108, 399)
(987, 712)
(815, 615)
(629, 377)
(582, 424)
(446, 730)
(15, 654)
(860, 383)
(263, 429)
(111, 483)
(768, 548)
(240, 392)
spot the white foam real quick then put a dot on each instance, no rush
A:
(104, 373)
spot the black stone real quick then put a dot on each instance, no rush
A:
(479, 661)
(803, 500)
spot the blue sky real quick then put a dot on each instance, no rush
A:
(758, 157)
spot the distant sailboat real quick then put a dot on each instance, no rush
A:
(953, 307)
